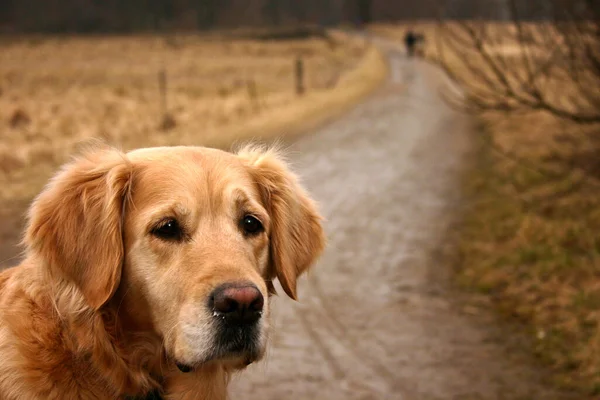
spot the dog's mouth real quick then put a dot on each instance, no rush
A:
(236, 344)
(184, 367)
(241, 363)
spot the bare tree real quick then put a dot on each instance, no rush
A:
(272, 11)
(299, 10)
(551, 65)
(206, 13)
(365, 11)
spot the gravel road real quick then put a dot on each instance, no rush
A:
(376, 319)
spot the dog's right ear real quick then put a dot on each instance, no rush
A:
(75, 224)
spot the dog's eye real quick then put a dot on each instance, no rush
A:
(168, 230)
(251, 225)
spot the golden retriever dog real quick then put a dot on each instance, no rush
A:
(149, 273)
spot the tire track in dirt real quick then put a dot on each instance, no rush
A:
(337, 369)
(319, 305)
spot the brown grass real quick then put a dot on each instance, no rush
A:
(530, 239)
(530, 235)
(56, 92)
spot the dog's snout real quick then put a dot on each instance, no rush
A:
(240, 304)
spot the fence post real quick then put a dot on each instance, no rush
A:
(168, 121)
(253, 94)
(299, 76)
(162, 87)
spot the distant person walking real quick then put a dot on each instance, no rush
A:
(410, 41)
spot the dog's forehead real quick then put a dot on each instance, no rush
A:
(187, 171)
(185, 154)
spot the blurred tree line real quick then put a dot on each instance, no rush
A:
(136, 15)
(140, 15)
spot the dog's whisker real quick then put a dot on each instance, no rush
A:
(165, 344)
(13, 258)
(121, 302)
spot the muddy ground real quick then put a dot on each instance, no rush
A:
(377, 318)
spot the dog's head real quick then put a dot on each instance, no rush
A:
(185, 241)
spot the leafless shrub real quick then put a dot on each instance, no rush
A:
(9, 162)
(551, 65)
(167, 122)
(19, 118)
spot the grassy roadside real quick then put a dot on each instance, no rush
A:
(62, 112)
(529, 240)
(313, 109)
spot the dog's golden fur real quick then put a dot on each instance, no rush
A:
(102, 309)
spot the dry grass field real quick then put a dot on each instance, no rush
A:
(57, 92)
(530, 240)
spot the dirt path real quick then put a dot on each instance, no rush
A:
(374, 319)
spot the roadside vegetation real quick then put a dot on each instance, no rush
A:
(529, 240)
(213, 89)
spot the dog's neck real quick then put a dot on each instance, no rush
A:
(141, 365)
(127, 361)
(130, 362)
(104, 347)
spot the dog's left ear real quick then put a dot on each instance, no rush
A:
(296, 237)
(75, 224)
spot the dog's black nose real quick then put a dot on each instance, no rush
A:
(237, 304)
